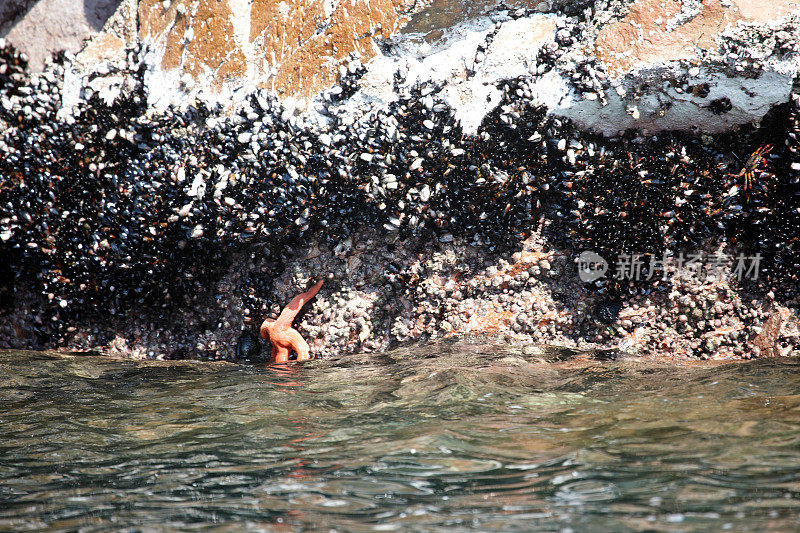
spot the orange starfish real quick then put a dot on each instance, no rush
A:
(282, 335)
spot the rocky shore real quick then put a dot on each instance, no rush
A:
(449, 203)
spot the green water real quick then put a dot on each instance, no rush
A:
(429, 439)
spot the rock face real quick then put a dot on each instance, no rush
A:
(291, 48)
(651, 65)
(210, 47)
(660, 30)
(703, 66)
(656, 31)
(11, 11)
(694, 65)
(468, 66)
(42, 28)
(513, 52)
(766, 340)
(115, 208)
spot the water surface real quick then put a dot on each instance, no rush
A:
(426, 439)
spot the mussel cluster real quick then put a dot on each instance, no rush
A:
(767, 218)
(648, 197)
(13, 65)
(422, 176)
(113, 207)
(87, 209)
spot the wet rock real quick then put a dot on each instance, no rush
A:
(172, 220)
(248, 347)
(607, 310)
(765, 343)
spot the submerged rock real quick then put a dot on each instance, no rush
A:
(607, 310)
(248, 347)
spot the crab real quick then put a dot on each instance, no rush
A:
(753, 167)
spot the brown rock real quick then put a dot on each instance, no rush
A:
(293, 48)
(645, 35)
(767, 340)
(103, 46)
(198, 38)
(351, 27)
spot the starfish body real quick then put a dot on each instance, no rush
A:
(282, 335)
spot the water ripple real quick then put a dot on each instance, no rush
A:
(476, 438)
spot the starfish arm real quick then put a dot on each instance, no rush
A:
(299, 344)
(280, 354)
(290, 311)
